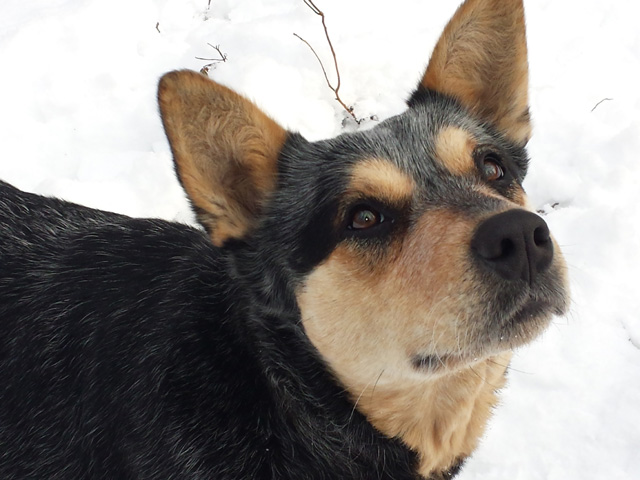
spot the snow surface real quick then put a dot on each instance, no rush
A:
(78, 120)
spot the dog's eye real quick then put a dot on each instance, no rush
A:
(364, 217)
(492, 168)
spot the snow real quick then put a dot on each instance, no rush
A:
(78, 120)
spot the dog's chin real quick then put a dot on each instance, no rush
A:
(505, 333)
(522, 325)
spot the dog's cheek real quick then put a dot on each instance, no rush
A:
(365, 316)
(343, 314)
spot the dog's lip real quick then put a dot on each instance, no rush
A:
(531, 310)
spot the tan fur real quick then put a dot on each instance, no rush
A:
(370, 316)
(440, 418)
(225, 151)
(517, 196)
(428, 308)
(381, 179)
(481, 59)
(454, 150)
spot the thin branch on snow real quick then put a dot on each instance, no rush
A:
(601, 101)
(317, 11)
(223, 58)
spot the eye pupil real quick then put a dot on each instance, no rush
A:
(492, 169)
(365, 218)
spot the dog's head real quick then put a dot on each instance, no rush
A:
(411, 245)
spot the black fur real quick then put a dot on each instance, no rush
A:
(133, 349)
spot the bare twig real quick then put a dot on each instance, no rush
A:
(223, 58)
(326, 77)
(601, 101)
(317, 11)
(158, 27)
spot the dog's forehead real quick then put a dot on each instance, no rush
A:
(425, 155)
(425, 142)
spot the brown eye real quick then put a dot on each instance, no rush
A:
(364, 217)
(491, 168)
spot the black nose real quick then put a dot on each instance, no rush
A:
(516, 244)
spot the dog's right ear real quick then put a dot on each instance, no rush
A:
(481, 60)
(225, 151)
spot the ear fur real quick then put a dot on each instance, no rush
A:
(225, 151)
(481, 60)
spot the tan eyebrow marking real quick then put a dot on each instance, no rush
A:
(380, 178)
(454, 150)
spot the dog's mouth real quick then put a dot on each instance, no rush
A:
(436, 363)
(531, 311)
(503, 333)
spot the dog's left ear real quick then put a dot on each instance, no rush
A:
(225, 151)
(481, 60)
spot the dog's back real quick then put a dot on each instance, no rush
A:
(100, 341)
(126, 351)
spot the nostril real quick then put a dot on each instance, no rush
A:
(542, 256)
(508, 247)
(541, 235)
(492, 250)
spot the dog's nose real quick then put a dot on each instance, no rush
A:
(516, 244)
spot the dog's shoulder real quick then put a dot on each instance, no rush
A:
(137, 320)
(124, 268)
(102, 269)
(60, 229)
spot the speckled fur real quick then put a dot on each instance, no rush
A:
(278, 343)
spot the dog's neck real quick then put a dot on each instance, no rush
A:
(441, 419)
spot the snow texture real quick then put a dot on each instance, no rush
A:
(78, 120)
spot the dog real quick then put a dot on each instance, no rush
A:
(347, 311)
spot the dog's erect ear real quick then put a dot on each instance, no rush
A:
(225, 151)
(481, 60)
